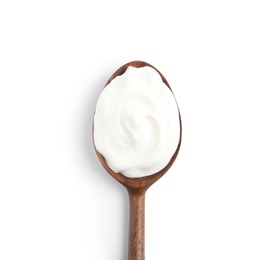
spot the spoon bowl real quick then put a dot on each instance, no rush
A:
(137, 187)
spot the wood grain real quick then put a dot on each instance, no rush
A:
(137, 187)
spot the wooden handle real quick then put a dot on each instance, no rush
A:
(137, 225)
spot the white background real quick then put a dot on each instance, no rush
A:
(56, 200)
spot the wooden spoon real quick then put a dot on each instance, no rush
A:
(137, 187)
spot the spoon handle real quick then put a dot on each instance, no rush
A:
(137, 225)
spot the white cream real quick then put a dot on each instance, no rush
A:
(136, 123)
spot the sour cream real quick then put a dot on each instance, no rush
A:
(136, 123)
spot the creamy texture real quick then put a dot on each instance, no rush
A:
(136, 123)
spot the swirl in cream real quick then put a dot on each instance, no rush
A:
(136, 123)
